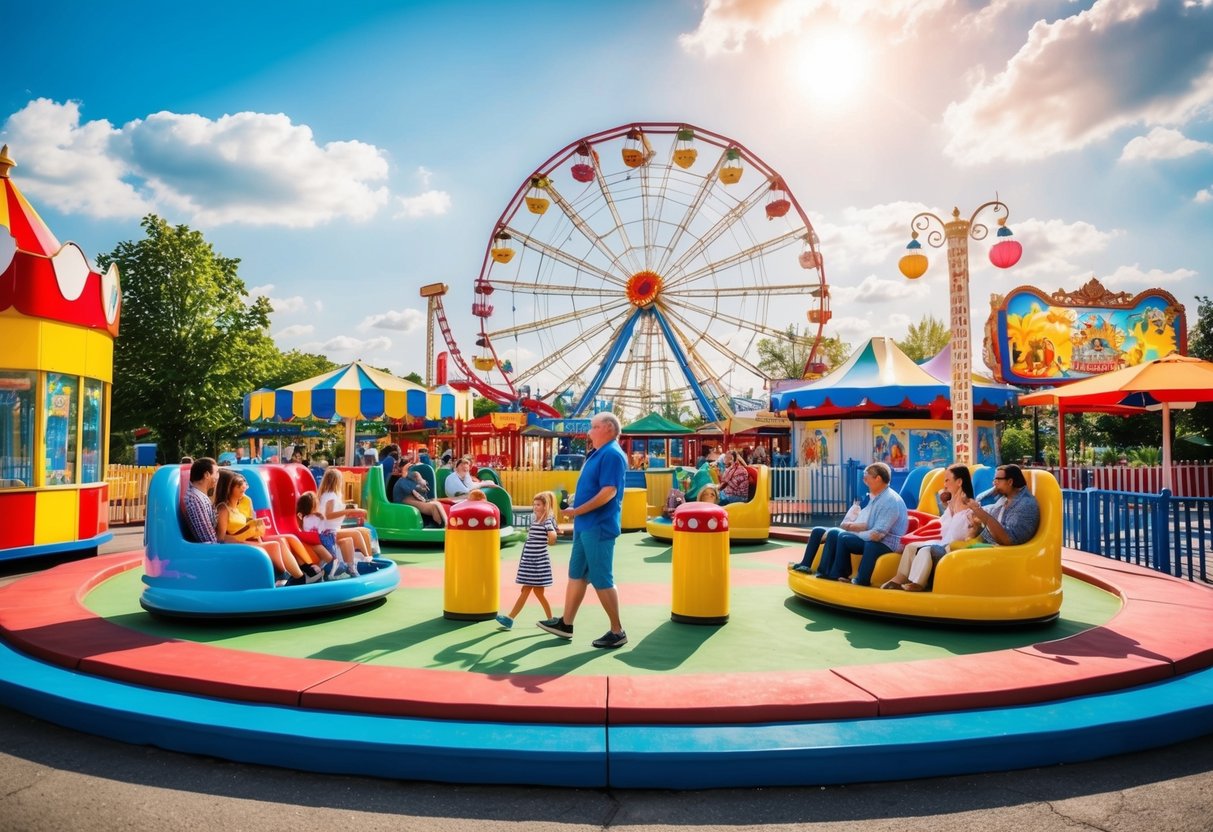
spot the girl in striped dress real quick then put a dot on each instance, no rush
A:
(535, 565)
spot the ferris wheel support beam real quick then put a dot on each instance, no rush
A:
(722, 225)
(753, 326)
(692, 209)
(773, 244)
(556, 320)
(582, 226)
(716, 345)
(707, 407)
(557, 254)
(618, 220)
(608, 362)
(812, 289)
(704, 370)
(551, 289)
(559, 353)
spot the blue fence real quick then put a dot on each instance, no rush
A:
(1160, 531)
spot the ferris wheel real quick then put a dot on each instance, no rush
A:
(637, 269)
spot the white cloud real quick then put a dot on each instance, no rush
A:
(1163, 143)
(727, 25)
(1049, 245)
(1203, 195)
(348, 344)
(428, 204)
(873, 289)
(1136, 276)
(406, 320)
(246, 168)
(851, 328)
(295, 330)
(295, 303)
(71, 165)
(867, 235)
(1073, 82)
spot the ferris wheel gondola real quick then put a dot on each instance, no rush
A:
(637, 268)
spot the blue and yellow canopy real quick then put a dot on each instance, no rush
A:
(354, 391)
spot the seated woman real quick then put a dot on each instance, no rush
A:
(412, 490)
(917, 562)
(459, 483)
(735, 482)
(235, 526)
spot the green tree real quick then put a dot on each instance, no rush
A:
(293, 365)
(786, 356)
(415, 378)
(191, 343)
(1016, 444)
(925, 339)
(481, 406)
(1199, 420)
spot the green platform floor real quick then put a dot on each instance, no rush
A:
(769, 629)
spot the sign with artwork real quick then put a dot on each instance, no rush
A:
(816, 444)
(890, 444)
(1034, 339)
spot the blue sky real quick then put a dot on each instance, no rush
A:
(349, 155)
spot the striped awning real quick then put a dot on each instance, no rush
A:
(354, 391)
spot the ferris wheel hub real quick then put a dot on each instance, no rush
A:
(643, 288)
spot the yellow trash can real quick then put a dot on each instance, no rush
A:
(472, 563)
(635, 516)
(700, 564)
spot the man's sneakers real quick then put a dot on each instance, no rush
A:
(611, 640)
(506, 622)
(556, 627)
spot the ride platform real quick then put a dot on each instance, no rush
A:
(785, 693)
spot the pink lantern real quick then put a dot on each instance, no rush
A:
(1006, 252)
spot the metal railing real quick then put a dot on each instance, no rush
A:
(812, 494)
(1160, 531)
(1188, 479)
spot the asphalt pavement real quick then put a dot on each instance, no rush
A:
(52, 778)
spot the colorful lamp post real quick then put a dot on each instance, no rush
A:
(1004, 254)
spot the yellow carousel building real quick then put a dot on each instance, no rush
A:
(58, 321)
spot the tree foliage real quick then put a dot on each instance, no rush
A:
(786, 356)
(1198, 421)
(925, 339)
(191, 343)
(294, 365)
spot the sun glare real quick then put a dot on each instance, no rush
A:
(831, 64)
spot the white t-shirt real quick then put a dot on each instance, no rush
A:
(313, 523)
(457, 487)
(330, 500)
(954, 527)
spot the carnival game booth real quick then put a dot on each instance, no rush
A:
(232, 580)
(58, 321)
(977, 584)
(879, 406)
(749, 522)
(657, 442)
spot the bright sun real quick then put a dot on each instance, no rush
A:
(831, 64)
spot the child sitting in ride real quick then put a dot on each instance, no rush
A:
(311, 521)
(676, 496)
(334, 511)
(708, 494)
(735, 481)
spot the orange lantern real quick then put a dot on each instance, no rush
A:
(914, 264)
(636, 149)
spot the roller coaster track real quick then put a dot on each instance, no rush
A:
(510, 398)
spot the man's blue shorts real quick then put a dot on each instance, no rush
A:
(593, 559)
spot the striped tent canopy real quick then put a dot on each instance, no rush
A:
(877, 377)
(354, 391)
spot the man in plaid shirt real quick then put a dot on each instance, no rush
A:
(200, 520)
